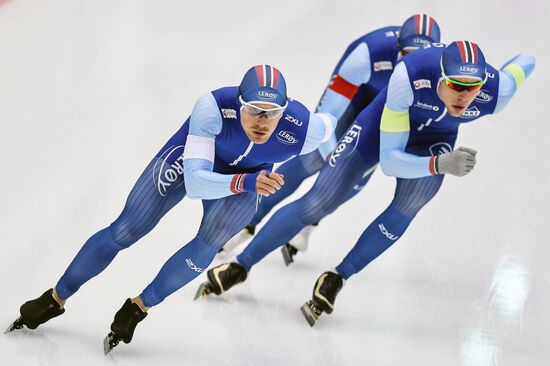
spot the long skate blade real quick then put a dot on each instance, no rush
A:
(110, 342)
(203, 290)
(287, 256)
(17, 324)
(310, 316)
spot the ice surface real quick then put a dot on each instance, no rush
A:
(90, 90)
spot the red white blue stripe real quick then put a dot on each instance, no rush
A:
(237, 183)
(468, 51)
(267, 75)
(424, 24)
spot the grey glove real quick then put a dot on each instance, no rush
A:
(458, 162)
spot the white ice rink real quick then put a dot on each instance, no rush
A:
(91, 89)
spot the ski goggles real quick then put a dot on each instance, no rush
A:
(258, 112)
(460, 86)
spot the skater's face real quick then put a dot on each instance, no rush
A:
(455, 99)
(260, 120)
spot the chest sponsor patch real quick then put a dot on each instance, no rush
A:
(229, 113)
(483, 97)
(422, 83)
(383, 66)
(287, 137)
(426, 106)
(471, 112)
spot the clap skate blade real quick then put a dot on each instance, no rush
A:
(311, 312)
(204, 290)
(17, 324)
(110, 342)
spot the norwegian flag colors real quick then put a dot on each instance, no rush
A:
(468, 51)
(424, 24)
(267, 75)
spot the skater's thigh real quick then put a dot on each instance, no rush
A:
(159, 188)
(334, 182)
(354, 156)
(225, 217)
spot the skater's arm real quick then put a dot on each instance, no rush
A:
(511, 76)
(202, 183)
(354, 71)
(320, 129)
(394, 130)
(200, 180)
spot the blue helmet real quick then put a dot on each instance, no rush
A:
(463, 59)
(418, 31)
(263, 84)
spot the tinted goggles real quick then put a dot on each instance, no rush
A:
(460, 86)
(258, 112)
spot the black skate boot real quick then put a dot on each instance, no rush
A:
(37, 311)
(324, 294)
(122, 328)
(221, 279)
(297, 244)
(288, 252)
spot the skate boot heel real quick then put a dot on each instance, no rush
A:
(324, 295)
(311, 312)
(37, 311)
(124, 325)
(297, 244)
(221, 279)
(288, 252)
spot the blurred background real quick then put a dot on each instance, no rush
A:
(91, 90)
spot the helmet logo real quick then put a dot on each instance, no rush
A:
(418, 40)
(267, 95)
(469, 70)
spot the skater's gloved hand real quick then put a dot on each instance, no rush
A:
(268, 184)
(458, 162)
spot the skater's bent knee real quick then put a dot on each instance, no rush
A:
(313, 209)
(125, 234)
